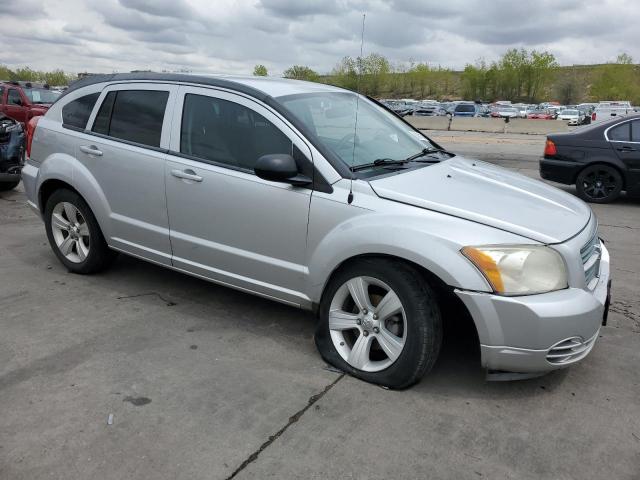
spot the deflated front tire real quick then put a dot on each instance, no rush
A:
(380, 322)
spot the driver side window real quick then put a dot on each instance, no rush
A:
(228, 133)
(14, 97)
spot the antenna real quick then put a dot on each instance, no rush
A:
(355, 126)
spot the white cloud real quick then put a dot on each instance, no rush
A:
(233, 35)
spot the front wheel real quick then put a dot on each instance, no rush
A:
(379, 321)
(599, 184)
(74, 233)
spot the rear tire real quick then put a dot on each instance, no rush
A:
(599, 184)
(400, 331)
(6, 186)
(74, 234)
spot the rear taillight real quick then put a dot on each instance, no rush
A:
(550, 149)
(593, 117)
(31, 129)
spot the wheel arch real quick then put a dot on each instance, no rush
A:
(616, 165)
(64, 171)
(452, 307)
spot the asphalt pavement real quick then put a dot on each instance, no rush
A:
(145, 373)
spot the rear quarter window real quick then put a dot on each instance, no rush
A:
(620, 133)
(635, 131)
(133, 115)
(76, 114)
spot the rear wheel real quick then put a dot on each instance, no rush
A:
(5, 186)
(74, 234)
(379, 321)
(599, 184)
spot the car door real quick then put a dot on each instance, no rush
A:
(16, 105)
(625, 140)
(124, 149)
(227, 224)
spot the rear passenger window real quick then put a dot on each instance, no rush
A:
(635, 131)
(226, 132)
(620, 133)
(132, 115)
(75, 114)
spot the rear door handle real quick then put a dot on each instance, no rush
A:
(91, 150)
(187, 174)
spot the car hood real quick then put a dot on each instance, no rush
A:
(487, 194)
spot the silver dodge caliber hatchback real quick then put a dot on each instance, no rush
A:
(319, 198)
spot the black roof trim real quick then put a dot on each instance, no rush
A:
(167, 77)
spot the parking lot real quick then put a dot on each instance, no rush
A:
(207, 382)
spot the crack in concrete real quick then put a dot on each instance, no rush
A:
(619, 226)
(169, 303)
(293, 419)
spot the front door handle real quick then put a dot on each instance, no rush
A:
(91, 150)
(187, 174)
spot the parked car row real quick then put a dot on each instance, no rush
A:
(581, 114)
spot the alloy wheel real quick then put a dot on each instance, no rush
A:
(70, 232)
(367, 323)
(599, 184)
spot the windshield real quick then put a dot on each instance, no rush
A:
(331, 116)
(569, 112)
(465, 108)
(41, 95)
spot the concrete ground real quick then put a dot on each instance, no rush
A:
(204, 382)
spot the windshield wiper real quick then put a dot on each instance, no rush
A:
(378, 162)
(385, 162)
(422, 153)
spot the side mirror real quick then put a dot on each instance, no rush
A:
(280, 167)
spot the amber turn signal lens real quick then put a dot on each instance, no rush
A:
(487, 266)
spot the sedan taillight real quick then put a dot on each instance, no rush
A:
(550, 149)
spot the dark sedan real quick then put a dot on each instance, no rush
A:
(602, 159)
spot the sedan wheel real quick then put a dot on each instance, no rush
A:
(599, 184)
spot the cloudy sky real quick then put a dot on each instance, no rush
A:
(231, 36)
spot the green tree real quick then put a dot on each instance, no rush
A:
(345, 74)
(617, 81)
(301, 72)
(374, 69)
(260, 71)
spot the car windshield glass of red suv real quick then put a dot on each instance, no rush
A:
(41, 95)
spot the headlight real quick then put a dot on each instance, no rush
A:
(519, 269)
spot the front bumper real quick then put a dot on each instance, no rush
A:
(532, 334)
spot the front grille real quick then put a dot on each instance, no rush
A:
(570, 350)
(590, 254)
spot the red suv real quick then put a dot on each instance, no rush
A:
(25, 100)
